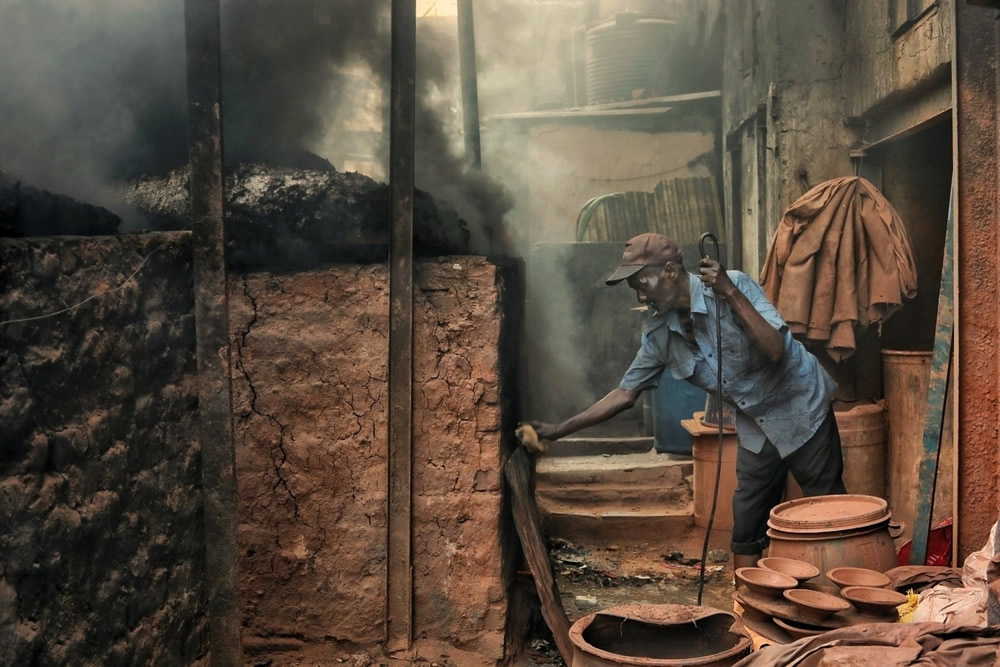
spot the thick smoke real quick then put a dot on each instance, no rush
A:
(84, 84)
(93, 93)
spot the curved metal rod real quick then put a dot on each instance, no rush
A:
(709, 236)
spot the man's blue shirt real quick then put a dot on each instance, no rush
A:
(784, 401)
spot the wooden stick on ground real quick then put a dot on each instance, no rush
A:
(518, 473)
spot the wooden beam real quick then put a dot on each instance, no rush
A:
(470, 85)
(211, 310)
(976, 144)
(517, 470)
(399, 568)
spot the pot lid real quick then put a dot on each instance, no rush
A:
(821, 514)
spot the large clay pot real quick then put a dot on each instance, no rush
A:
(833, 531)
(662, 635)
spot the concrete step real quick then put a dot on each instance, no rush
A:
(595, 446)
(615, 524)
(647, 468)
(620, 498)
(587, 496)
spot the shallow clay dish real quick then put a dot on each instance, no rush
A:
(750, 609)
(814, 605)
(799, 569)
(799, 630)
(754, 614)
(765, 582)
(857, 576)
(878, 602)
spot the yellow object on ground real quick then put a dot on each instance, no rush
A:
(908, 608)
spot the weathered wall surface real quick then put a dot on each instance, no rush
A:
(977, 267)
(883, 67)
(311, 404)
(102, 548)
(783, 114)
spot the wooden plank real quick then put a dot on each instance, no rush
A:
(399, 565)
(937, 392)
(518, 473)
(211, 310)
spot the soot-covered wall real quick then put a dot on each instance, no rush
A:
(310, 396)
(101, 553)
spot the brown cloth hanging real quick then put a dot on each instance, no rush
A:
(840, 258)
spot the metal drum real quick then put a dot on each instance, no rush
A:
(622, 54)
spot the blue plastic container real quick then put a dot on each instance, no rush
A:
(674, 400)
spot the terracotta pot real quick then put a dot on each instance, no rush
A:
(833, 531)
(663, 635)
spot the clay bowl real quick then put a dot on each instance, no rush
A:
(765, 582)
(799, 569)
(877, 602)
(857, 576)
(814, 605)
(753, 613)
(799, 630)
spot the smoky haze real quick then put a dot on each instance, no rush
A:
(94, 93)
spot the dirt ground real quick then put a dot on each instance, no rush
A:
(593, 578)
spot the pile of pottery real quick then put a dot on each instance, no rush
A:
(777, 595)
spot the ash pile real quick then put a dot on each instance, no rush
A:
(287, 219)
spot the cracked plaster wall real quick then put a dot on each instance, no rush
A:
(101, 554)
(310, 400)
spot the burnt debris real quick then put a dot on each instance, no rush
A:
(286, 219)
(30, 211)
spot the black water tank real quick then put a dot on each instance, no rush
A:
(622, 54)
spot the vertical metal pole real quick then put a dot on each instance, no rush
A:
(470, 87)
(204, 78)
(399, 570)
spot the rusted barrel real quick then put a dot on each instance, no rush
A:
(905, 375)
(862, 431)
(658, 635)
(705, 450)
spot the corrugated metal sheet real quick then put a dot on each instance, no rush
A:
(681, 208)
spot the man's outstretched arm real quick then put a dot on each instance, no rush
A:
(616, 401)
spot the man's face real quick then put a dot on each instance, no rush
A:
(657, 287)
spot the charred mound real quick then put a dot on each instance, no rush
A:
(30, 211)
(281, 218)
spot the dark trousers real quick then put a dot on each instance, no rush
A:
(818, 467)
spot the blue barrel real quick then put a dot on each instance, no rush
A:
(674, 400)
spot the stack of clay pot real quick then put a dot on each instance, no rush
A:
(834, 531)
(777, 593)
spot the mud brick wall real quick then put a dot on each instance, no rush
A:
(101, 551)
(310, 397)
